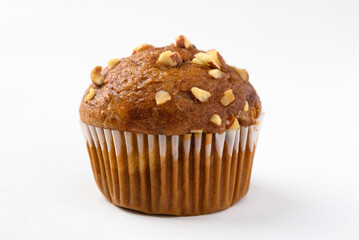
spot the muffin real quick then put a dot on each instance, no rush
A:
(171, 130)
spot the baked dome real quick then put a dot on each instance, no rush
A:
(170, 90)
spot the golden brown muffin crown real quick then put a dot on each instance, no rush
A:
(171, 90)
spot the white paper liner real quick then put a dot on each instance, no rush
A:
(94, 135)
(178, 175)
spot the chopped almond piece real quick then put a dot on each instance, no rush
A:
(162, 97)
(91, 94)
(141, 48)
(242, 73)
(182, 42)
(233, 123)
(218, 59)
(112, 63)
(246, 107)
(96, 75)
(216, 120)
(227, 98)
(200, 94)
(205, 59)
(196, 61)
(169, 58)
(215, 73)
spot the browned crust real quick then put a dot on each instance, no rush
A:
(126, 100)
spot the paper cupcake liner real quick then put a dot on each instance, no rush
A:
(188, 174)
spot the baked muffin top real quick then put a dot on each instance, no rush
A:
(172, 90)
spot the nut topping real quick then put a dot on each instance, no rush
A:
(205, 59)
(91, 94)
(233, 123)
(200, 94)
(196, 61)
(227, 98)
(246, 107)
(215, 73)
(218, 59)
(216, 120)
(242, 73)
(169, 58)
(162, 97)
(182, 42)
(141, 48)
(112, 63)
(96, 75)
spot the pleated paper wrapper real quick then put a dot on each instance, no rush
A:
(188, 174)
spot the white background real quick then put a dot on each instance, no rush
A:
(303, 59)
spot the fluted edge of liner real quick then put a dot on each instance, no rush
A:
(188, 174)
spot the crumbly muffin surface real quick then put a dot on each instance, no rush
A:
(165, 91)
